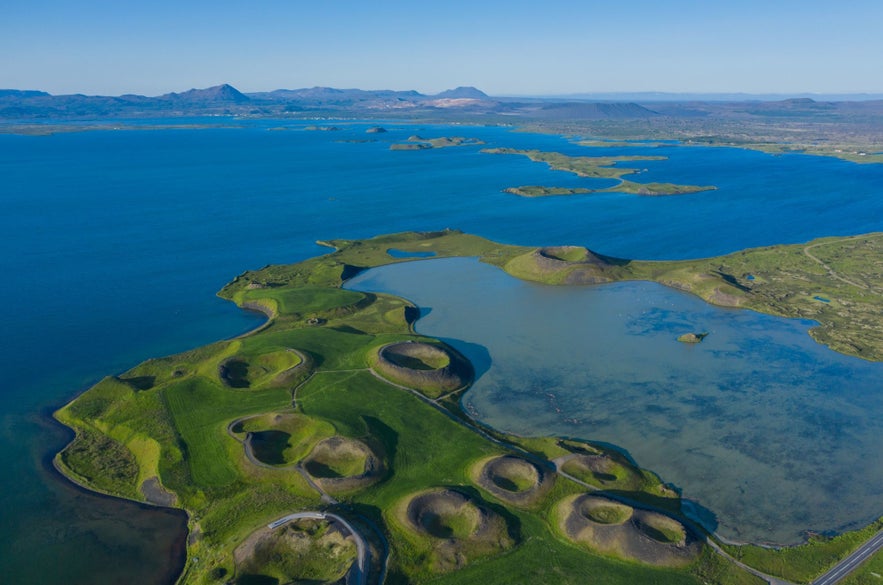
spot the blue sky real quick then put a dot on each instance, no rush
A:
(503, 47)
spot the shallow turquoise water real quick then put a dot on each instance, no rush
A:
(116, 242)
(770, 431)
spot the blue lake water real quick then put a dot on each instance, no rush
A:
(770, 431)
(114, 243)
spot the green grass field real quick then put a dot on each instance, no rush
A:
(802, 564)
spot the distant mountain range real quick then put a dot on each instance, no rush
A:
(461, 102)
(226, 99)
(661, 96)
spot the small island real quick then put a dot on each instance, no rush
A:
(540, 191)
(692, 338)
(629, 187)
(419, 143)
(595, 168)
(314, 128)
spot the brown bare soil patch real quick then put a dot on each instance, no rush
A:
(619, 530)
(156, 494)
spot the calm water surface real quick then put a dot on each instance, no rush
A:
(115, 242)
(771, 431)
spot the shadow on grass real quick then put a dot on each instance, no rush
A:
(317, 358)
(348, 329)
(140, 382)
(604, 477)
(396, 577)
(350, 271)
(513, 523)
(613, 261)
(235, 373)
(320, 470)
(506, 484)
(256, 580)
(368, 521)
(383, 440)
(372, 513)
(668, 504)
(269, 446)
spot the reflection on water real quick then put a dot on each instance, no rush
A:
(773, 432)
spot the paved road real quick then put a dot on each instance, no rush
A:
(358, 574)
(298, 516)
(851, 563)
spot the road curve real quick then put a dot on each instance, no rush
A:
(852, 562)
(358, 574)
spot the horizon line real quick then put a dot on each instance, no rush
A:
(599, 94)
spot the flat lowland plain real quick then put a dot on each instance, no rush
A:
(178, 425)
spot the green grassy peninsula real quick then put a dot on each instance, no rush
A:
(336, 409)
